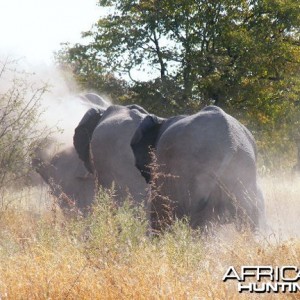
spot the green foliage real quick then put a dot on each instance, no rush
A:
(89, 72)
(19, 115)
(212, 51)
(241, 55)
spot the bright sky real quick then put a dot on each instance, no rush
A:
(35, 28)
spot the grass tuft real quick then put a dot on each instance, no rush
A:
(110, 255)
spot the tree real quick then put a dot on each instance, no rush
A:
(19, 116)
(89, 72)
(240, 54)
(223, 52)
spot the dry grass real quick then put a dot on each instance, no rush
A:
(109, 255)
(283, 205)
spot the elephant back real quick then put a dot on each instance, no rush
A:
(112, 157)
(209, 160)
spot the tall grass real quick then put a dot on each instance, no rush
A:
(110, 255)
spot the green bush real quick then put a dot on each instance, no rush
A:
(19, 116)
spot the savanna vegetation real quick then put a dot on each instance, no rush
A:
(171, 57)
(108, 255)
(177, 56)
(20, 131)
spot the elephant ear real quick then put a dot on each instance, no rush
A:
(83, 134)
(145, 139)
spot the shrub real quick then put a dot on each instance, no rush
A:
(19, 116)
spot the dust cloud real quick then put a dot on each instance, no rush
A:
(64, 105)
(282, 205)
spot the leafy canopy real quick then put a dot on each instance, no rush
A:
(242, 54)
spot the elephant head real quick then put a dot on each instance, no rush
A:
(67, 178)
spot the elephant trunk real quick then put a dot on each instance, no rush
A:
(43, 168)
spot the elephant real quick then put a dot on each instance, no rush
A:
(102, 141)
(64, 172)
(67, 177)
(204, 169)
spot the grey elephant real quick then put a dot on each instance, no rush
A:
(205, 169)
(102, 141)
(67, 177)
(64, 172)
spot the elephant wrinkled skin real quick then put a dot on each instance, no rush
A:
(106, 150)
(209, 162)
